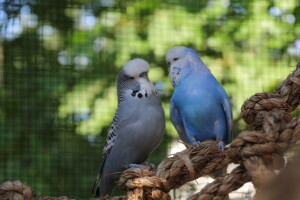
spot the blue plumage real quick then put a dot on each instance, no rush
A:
(200, 107)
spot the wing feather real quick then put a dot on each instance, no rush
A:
(177, 122)
(111, 136)
(110, 141)
(228, 115)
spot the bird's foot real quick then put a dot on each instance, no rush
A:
(151, 165)
(145, 165)
(197, 143)
(194, 142)
(221, 145)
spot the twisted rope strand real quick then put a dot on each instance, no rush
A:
(220, 188)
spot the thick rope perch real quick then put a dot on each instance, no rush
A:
(144, 185)
(220, 187)
(15, 190)
(258, 152)
(285, 99)
(199, 160)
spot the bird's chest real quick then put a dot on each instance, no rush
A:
(146, 111)
(147, 119)
(187, 94)
(194, 101)
(152, 116)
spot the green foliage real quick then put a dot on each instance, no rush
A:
(58, 92)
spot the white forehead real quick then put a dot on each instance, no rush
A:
(135, 67)
(175, 52)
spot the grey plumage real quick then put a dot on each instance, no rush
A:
(137, 127)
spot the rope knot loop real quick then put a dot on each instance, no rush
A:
(142, 184)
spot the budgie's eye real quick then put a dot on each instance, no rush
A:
(144, 74)
(175, 59)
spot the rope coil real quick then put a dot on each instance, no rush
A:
(15, 190)
(142, 184)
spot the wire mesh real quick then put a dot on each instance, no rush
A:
(60, 58)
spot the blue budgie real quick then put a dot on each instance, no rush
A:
(137, 127)
(200, 107)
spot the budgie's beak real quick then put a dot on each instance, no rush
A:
(145, 84)
(174, 75)
(136, 88)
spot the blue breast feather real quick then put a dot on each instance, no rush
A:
(200, 108)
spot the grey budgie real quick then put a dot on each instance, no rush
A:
(137, 127)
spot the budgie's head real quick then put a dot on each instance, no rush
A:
(133, 78)
(182, 61)
(177, 56)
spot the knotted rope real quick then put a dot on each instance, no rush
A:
(142, 184)
(15, 190)
(258, 152)
(285, 99)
